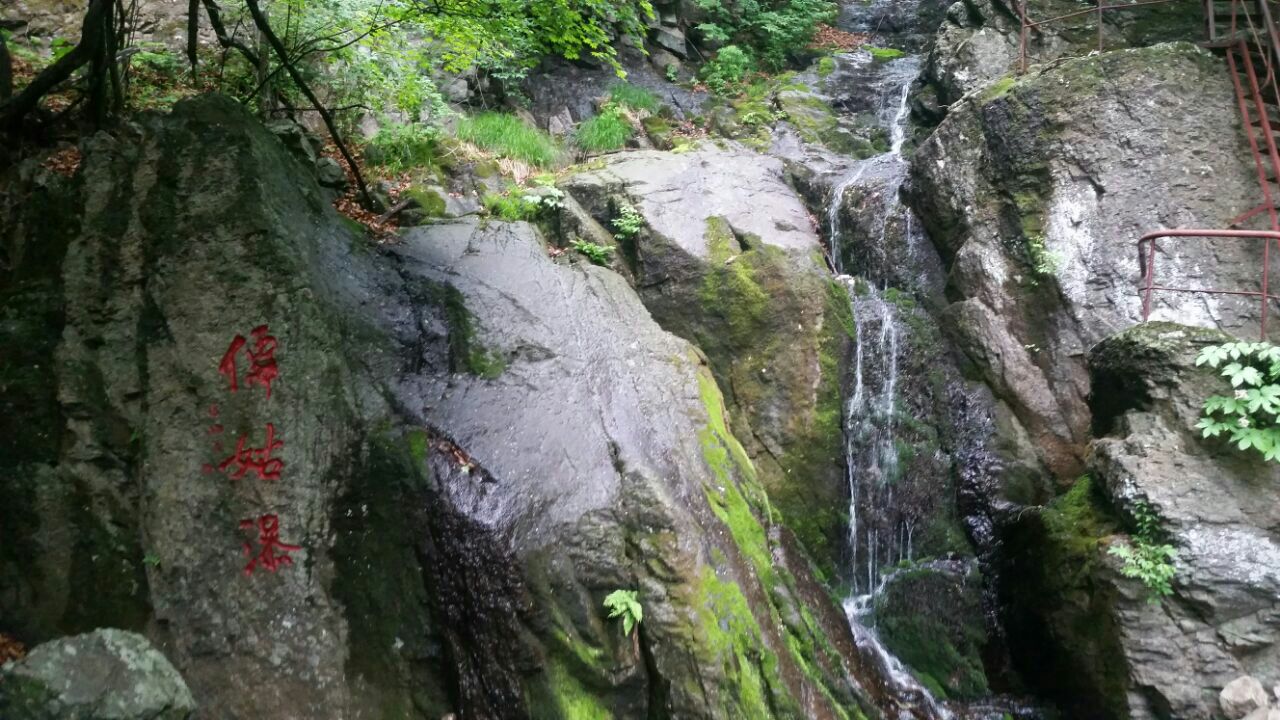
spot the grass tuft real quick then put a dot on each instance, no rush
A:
(400, 147)
(634, 97)
(604, 132)
(507, 136)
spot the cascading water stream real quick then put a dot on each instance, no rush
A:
(877, 535)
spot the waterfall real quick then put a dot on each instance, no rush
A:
(879, 535)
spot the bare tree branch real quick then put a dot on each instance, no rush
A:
(282, 54)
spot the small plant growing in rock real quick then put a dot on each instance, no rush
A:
(598, 254)
(1146, 557)
(1248, 417)
(628, 223)
(625, 604)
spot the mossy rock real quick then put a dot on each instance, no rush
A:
(659, 131)
(429, 200)
(931, 618)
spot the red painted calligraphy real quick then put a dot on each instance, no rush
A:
(255, 459)
(263, 369)
(274, 552)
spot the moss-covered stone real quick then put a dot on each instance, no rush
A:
(932, 620)
(394, 648)
(429, 200)
(740, 502)
(24, 698)
(466, 352)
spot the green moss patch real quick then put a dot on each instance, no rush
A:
(466, 353)
(932, 620)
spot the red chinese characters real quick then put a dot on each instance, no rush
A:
(255, 459)
(273, 551)
(263, 461)
(262, 360)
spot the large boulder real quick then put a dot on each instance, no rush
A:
(729, 259)
(1217, 505)
(979, 42)
(1035, 192)
(1101, 643)
(396, 482)
(103, 674)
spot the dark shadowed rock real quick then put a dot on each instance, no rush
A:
(1219, 507)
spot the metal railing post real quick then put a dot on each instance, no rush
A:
(1022, 38)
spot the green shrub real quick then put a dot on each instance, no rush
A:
(628, 222)
(634, 97)
(399, 147)
(775, 28)
(507, 136)
(1147, 557)
(1250, 416)
(524, 204)
(727, 70)
(604, 132)
(826, 66)
(511, 207)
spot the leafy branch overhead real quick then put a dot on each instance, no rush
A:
(1248, 416)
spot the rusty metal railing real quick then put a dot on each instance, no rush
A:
(1147, 264)
(1027, 24)
(1251, 42)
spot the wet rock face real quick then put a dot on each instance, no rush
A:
(1219, 507)
(1035, 191)
(729, 259)
(978, 42)
(465, 448)
(930, 616)
(106, 673)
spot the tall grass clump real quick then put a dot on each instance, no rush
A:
(634, 97)
(400, 147)
(507, 136)
(604, 132)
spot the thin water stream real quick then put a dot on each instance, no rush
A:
(880, 534)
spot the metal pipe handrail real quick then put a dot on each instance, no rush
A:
(1027, 23)
(1147, 266)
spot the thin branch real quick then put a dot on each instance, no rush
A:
(225, 40)
(282, 54)
(228, 41)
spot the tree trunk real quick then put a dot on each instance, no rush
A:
(91, 43)
(193, 33)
